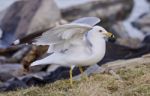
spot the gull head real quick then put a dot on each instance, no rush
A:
(103, 32)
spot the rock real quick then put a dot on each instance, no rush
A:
(4, 76)
(122, 52)
(17, 56)
(119, 30)
(2, 59)
(148, 1)
(26, 17)
(34, 53)
(111, 10)
(144, 60)
(2, 14)
(45, 17)
(143, 23)
(8, 52)
(12, 84)
(10, 68)
(146, 40)
(1, 32)
(7, 71)
(123, 37)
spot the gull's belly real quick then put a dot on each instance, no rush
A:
(83, 55)
(85, 60)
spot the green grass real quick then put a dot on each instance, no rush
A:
(136, 82)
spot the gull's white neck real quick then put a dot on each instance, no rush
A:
(97, 41)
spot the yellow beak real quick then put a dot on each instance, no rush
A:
(109, 34)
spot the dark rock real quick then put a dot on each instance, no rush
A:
(7, 71)
(123, 52)
(18, 55)
(123, 37)
(27, 17)
(148, 1)
(143, 23)
(12, 84)
(1, 32)
(9, 68)
(147, 40)
(32, 80)
(107, 10)
(2, 59)
(119, 30)
(4, 76)
(32, 55)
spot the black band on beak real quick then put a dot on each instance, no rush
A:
(112, 38)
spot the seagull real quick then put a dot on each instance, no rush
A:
(79, 43)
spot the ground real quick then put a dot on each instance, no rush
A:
(136, 82)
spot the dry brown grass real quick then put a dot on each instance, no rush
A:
(136, 82)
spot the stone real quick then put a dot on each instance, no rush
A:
(26, 17)
(8, 71)
(4, 76)
(123, 37)
(143, 23)
(12, 84)
(1, 33)
(111, 10)
(10, 68)
(46, 16)
(146, 40)
(123, 52)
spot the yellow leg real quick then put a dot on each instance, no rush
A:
(71, 81)
(81, 70)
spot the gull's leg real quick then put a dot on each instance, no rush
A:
(90, 70)
(81, 70)
(70, 72)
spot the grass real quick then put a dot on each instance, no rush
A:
(136, 82)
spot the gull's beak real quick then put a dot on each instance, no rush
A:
(110, 36)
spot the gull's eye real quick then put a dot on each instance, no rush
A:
(100, 31)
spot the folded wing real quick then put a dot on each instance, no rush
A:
(62, 36)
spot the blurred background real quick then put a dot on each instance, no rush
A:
(23, 20)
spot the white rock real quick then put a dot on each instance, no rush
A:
(45, 17)
(62, 4)
(1, 33)
(17, 42)
(139, 8)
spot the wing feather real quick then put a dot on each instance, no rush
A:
(61, 33)
(92, 21)
(62, 37)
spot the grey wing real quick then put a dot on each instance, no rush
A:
(67, 31)
(91, 21)
(61, 37)
(61, 33)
